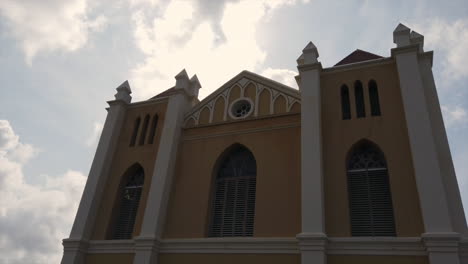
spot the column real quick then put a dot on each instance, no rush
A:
(440, 239)
(75, 246)
(147, 244)
(312, 239)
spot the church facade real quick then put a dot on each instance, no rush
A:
(354, 167)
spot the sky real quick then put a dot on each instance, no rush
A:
(61, 61)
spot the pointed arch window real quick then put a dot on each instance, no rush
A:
(129, 197)
(144, 130)
(359, 97)
(374, 98)
(345, 105)
(136, 127)
(233, 206)
(370, 200)
(154, 125)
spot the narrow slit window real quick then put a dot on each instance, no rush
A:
(345, 105)
(135, 132)
(370, 199)
(130, 196)
(154, 125)
(233, 207)
(359, 97)
(374, 98)
(144, 130)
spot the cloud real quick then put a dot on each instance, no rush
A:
(49, 25)
(451, 40)
(454, 115)
(284, 76)
(216, 48)
(33, 217)
(94, 137)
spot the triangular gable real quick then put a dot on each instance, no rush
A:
(243, 80)
(358, 56)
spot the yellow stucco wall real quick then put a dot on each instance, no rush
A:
(229, 258)
(124, 157)
(109, 258)
(276, 150)
(388, 131)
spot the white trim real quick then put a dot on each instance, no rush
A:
(378, 246)
(111, 246)
(392, 246)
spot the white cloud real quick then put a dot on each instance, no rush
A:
(33, 218)
(454, 115)
(283, 76)
(451, 40)
(94, 137)
(49, 25)
(180, 39)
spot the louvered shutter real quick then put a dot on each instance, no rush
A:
(130, 200)
(233, 205)
(370, 200)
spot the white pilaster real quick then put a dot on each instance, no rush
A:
(147, 244)
(75, 246)
(312, 239)
(440, 238)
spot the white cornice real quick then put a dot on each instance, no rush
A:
(384, 246)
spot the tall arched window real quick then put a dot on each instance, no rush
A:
(129, 197)
(374, 98)
(233, 207)
(154, 125)
(345, 105)
(370, 199)
(136, 127)
(359, 97)
(144, 130)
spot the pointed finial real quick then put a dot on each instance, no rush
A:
(194, 85)
(300, 60)
(416, 38)
(401, 35)
(123, 92)
(309, 54)
(182, 80)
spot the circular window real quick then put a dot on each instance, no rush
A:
(241, 108)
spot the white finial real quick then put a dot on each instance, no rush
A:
(182, 80)
(416, 38)
(194, 85)
(123, 93)
(309, 54)
(401, 36)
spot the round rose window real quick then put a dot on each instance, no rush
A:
(241, 108)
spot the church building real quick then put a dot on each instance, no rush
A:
(352, 167)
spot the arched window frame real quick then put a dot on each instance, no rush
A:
(374, 98)
(369, 192)
(144, 130)
(232, 209)
(359, 98)
(345, 103)
(154, 125)
(136, 127)
(127, 203)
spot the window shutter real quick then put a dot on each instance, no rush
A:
(233, 205)
(370, 199)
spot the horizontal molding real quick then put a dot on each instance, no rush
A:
(389, 246)
(111, 246)
(244, 131)
(404, 246)
(231, 245)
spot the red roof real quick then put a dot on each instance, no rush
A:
(358, 56)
